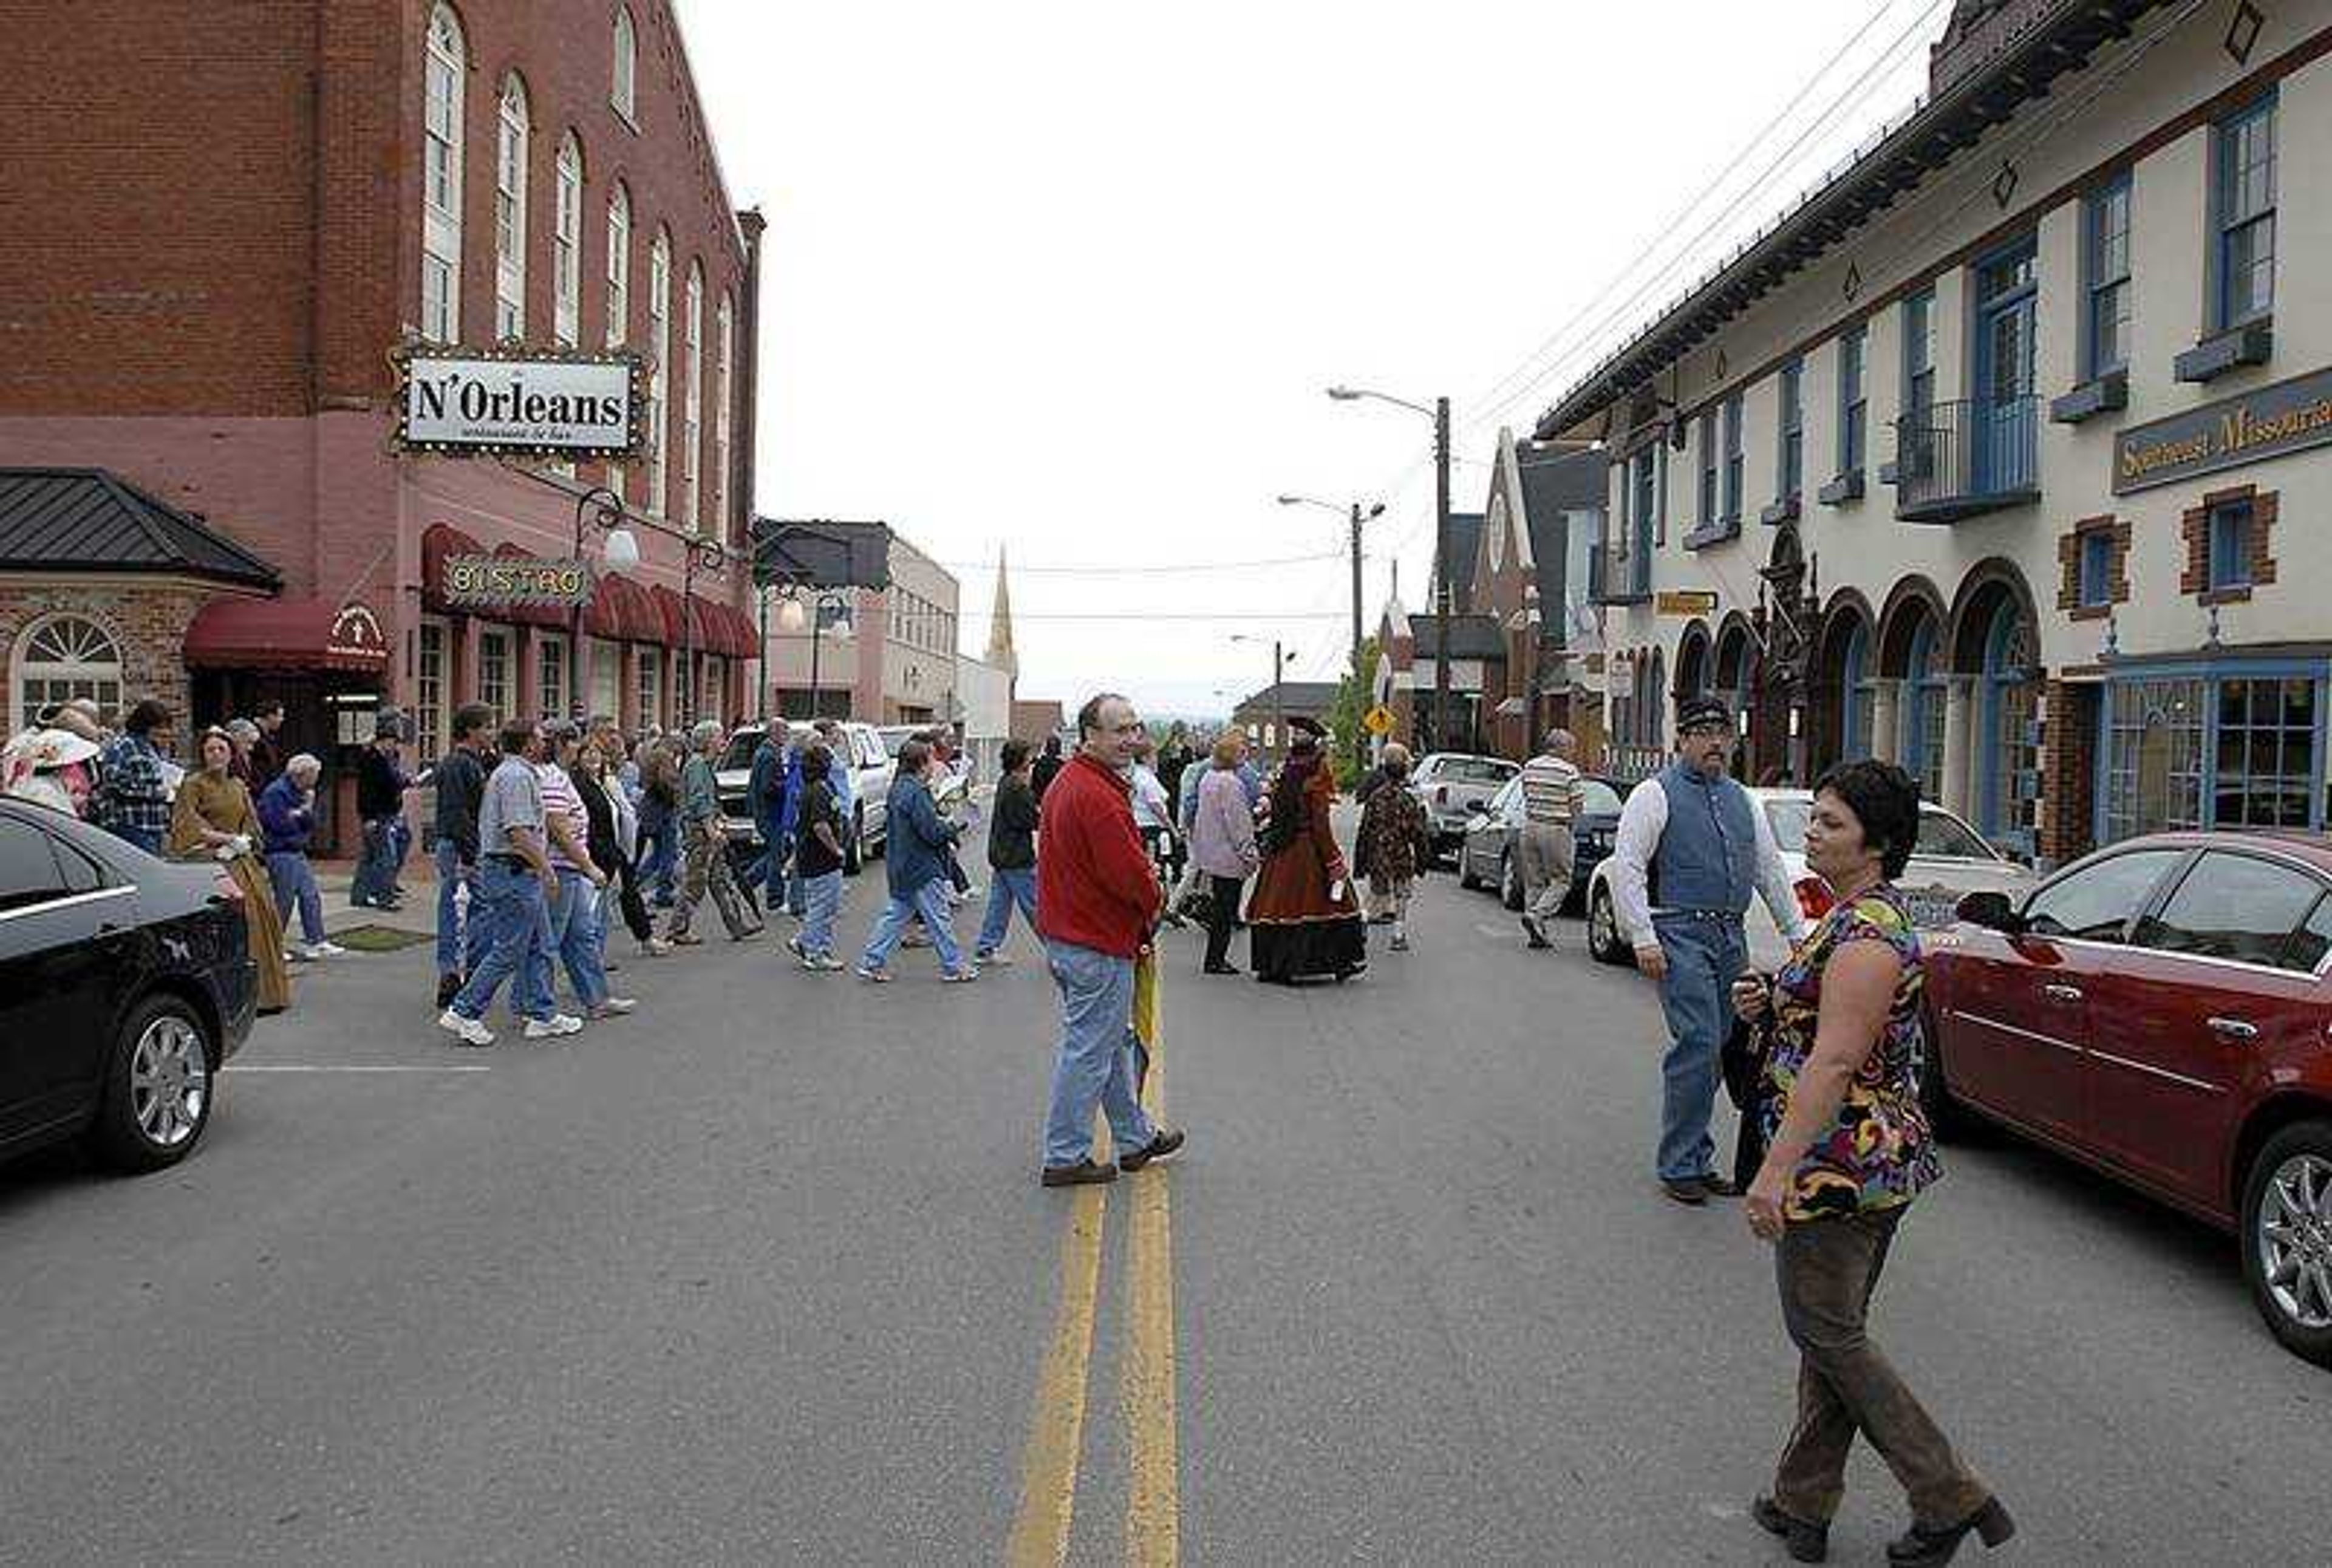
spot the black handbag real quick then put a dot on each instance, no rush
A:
(1743, 1061)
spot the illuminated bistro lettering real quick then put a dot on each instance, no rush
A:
(2290, 416)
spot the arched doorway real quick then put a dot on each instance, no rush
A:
(1692, 660)
(1733, 677)
(1996, 643)
(1846, 687)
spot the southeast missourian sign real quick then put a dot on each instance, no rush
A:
(489, 401)
(2288, 417)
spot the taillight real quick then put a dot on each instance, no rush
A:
(1814, 900)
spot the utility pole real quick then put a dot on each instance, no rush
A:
(1440, 573)
(1278, 703)
(1359, 675)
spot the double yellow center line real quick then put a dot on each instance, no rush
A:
(1049, 1471)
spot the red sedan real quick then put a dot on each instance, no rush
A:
(2162, 1010)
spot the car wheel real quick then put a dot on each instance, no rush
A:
(853, 854)
(2287, 1238)
(1603, 931)
(158, 1087)
(1510, 886)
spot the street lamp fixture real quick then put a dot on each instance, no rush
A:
(1439, 414)
(801, 605)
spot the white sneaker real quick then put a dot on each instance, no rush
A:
(655, 947)
(553, 1026)
(324, 950)
(615, 1007)
(469, 1031)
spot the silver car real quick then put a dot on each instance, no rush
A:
(1951, 859)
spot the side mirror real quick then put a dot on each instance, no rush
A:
(1991, 911)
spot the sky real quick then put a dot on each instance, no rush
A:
(1069, 280)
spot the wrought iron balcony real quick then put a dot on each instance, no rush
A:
(1617, 575)
(1958, 460)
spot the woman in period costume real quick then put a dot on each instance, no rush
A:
(50, 768)
(1395, 843)
(213, 819)
(1304, 913)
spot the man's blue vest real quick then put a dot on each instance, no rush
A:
(1707, 856)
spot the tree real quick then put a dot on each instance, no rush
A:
(1355, 694)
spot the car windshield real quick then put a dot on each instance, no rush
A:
(1471, 771)
(896, 736)
(1940, 834)
(741, 746)
(1597, 798)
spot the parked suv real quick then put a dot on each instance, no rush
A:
(1451, 784)
(870, 791)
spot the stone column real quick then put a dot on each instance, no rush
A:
(1959, 748)
(1886, 721)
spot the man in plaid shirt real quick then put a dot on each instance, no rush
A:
(133, 795)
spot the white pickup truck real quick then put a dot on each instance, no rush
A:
(870, 791)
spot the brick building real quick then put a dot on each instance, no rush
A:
(249, 208)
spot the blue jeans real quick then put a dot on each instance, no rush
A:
(659, 849)
(822, 901)
(1705, 958)
(1006, 889)
(295, 881)
(515, 922)
(929, 901)
(768, 869)
(376, 877)
(796, 893)
(461, 935)
(1096, 1066)
(571, 934)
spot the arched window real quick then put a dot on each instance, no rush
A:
(1925, 693)
(64, 657)
(691, 422)
(566, 246)
(441, 179)
(622, 83)
(510, 214)
(1858, 694)
(659, 365)
(720, 429)
(2011, 756)
(619, 290)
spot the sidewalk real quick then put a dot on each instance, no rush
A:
(418, 916)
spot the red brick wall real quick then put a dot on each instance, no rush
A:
(146, 623)
(2069, 740)
(2195, 525)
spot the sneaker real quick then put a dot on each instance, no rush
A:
(1159, 1146)
(325, 949)
(554, 1026)
(826, 963)
(655, 947)
(1688, 1191)
(794, 946)
(615, 1007)
(1717, 1186)
(1399, 941)
(684, 939)
(958, 976)
(880, 977)
(293, 955)
(992, 960)
(1084, 1172)
(468, 1030)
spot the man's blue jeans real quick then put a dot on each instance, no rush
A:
(768, 869)
(929, 901)
(1005, 889)
(515, 923)
(293, 881)
(1705, 958)
(1095, 1066)
(385, 840)
(571, 936)
(659, 848)
(461, 936)
(822, 901)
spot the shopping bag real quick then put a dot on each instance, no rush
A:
(1145, 1014)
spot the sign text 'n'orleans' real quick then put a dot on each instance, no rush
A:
(574, 406)
(2288, 417)
(483, 581)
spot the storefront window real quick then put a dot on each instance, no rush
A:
(2012, 775)
(2201, 750)
(494, 672)
(551, 676)
(2267, 754)
(65, 658)
(429, 689)
(607, 678)
(651, 685)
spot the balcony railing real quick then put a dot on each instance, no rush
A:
(1959, 460)
(1617, 575)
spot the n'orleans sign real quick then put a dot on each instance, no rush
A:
(559, 404)
(2288, 417)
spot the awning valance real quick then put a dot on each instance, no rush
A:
(286, 635)
(439, 540)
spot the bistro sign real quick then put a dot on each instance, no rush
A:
(2288, 417)
(487, 402)
(497, 582)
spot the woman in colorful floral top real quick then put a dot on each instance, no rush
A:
(1848, 1148)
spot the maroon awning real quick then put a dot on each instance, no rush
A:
(438, 540)
(286, 635)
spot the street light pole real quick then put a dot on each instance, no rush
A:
(602, 509)
(706, 554)
(1442, 572)
(1358, 514)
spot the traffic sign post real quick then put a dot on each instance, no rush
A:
(1379, 721)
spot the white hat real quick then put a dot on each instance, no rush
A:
(57, 749)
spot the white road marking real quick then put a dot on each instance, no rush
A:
(342, 1067)
(1500, 931)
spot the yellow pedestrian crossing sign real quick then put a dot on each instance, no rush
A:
(1378, 720)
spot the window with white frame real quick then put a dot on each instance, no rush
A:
(623, 80)
(2242, 204)
(691, 422)
(1734, 466)
(441, 178)
(721, 427)
(619, 266)
(659, 365)
(607, 677)
(1791, 459)
(650, 685)
(1853, 402)
(429, 687)
(551, 675)
(2105, 262)
(509, 213)
(1709, 516)
(494, 672)
(567, 247)
(66, 657)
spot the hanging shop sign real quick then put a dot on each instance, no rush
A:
(500, 581)
(1685, 602)
(2288, 417)
(520, 402)
(355, 635)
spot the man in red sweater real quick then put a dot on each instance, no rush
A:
(1097, 902)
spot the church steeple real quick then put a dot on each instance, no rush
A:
(1000, 652)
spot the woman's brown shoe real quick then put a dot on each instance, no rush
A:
(1928, 1545)
(1806, 1541)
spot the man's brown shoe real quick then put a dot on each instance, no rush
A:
(1690, 1193)
(1159, 1147)
(1084, 1173)
(1717, 1186)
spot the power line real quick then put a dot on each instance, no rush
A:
(1159, 569)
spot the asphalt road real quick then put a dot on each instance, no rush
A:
(762, 1275)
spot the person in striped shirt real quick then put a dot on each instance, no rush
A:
(1549, 782)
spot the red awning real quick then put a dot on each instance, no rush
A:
(286, 635)
(603, 615)
(726, 629)
(673, 611)
(438, 540)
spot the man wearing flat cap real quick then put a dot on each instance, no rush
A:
(1692, 848)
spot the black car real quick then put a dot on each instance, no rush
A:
(125, 982)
